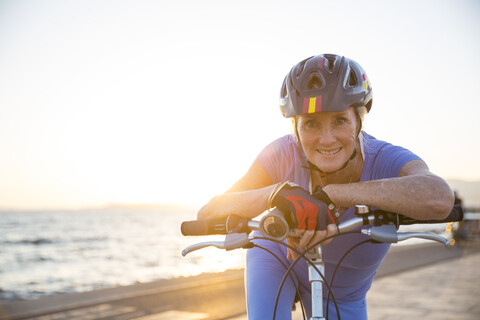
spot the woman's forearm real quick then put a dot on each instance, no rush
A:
(248, 204)
(417, 196)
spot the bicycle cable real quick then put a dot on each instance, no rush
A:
(300, 256)
(290, 268)
(291, 277)
(336, 269)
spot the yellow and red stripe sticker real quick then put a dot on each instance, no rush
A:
(312, 105)
(366, 84)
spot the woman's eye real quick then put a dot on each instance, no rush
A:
(310, 124)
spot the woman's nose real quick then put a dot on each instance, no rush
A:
(326, 136)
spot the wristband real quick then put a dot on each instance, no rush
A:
(274, 192)
(323, 196)
(278, 187)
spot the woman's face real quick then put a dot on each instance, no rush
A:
(328, 138)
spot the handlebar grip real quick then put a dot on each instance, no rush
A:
(455, 215)
(230, 224)
(204, 227)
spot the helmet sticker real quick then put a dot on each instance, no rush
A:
(312, 105)
(366, 83)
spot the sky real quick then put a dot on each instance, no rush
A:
(170, 101)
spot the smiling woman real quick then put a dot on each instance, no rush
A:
(316, 176)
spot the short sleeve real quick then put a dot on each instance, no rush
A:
(282, 160)
(390, 160)
(270, 159)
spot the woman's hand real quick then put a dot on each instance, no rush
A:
(304, 238)
(303, 210)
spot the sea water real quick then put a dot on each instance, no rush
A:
(48, 252)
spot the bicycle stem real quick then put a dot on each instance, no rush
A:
(316, 281)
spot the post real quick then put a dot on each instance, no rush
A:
(316, 281)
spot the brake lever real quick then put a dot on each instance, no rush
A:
(388, 233)
(232, 241)
(201, 245)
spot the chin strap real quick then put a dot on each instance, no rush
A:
(311, 166)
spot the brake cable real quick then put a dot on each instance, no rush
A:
(336, 269)
(302, 255)
(286, 268)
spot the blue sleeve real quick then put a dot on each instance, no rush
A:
(390, 160)
(277, 159)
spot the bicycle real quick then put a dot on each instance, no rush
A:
(273, 226)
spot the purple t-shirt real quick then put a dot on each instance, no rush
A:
(284, 160)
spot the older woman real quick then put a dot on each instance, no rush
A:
(327, 96)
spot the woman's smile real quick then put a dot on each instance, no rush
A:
(329, 152)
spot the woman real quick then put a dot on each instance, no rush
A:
(327, 96)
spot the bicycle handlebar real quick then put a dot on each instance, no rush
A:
(454, 216)
(383, 228)
(275, 225)
(230, 224)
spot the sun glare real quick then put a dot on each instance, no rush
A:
(122, 103)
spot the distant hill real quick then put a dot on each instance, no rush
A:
(469, 191)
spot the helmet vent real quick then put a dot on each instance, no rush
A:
(301, 67)
(291, 84)
(314, 82)
(352, 79)
(331, 63)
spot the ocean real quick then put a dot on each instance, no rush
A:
(49, 252)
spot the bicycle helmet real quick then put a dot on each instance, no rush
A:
(325, 82)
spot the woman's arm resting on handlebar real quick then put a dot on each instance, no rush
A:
(248, 197)
(416, 193)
